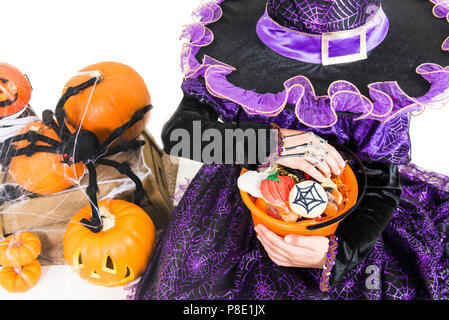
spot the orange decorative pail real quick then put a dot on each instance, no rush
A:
(325, 226)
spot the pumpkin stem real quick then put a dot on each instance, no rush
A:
(16, 241)
(274, 176)
(97, 74)
(95, 224)
(107, 217)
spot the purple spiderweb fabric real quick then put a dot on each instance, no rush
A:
(322, 16)
(371, 140)
(210, 250)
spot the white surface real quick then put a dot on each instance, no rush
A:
(50, 40)
(60, 283)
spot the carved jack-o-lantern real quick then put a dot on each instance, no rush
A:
(119, 252)
(15, 90)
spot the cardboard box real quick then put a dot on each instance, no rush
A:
(48, 216)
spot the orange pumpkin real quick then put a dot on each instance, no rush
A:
(43, 173)
(15, 90)
(20, 279)
(117, 254)
(19, 249)
(109, 104)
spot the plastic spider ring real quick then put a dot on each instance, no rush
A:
(324, 154)
(322, 142)
(317, 158)
(295, 147)
(300, 135)
(312, 144)
(291, 155)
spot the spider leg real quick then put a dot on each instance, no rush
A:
(137, 116)
(31, 149)
(95, 224)
(8, 150)
(125, 168)
(9, 193)
(48, 120)
(33, 137)
(28, 151)
(70, 92)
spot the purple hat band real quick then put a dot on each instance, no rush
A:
(321, 16)
(327, 48)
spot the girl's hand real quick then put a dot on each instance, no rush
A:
(294, 250)
(310, 154)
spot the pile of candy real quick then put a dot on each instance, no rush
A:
(291, 195)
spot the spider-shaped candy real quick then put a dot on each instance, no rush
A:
(81, 146)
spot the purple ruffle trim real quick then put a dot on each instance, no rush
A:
(387, 101)
(441, 10)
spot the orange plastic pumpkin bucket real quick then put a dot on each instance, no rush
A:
(315, 227)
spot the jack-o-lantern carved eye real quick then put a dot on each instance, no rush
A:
(109, 265)
(128, 272)
(77, 259)
(8, 93)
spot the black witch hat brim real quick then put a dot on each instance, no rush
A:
(415, 37)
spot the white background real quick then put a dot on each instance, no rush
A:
(51, 40)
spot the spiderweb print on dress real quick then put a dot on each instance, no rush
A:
(211, 218)
(322, 16)
(387, 148)
(419, 230)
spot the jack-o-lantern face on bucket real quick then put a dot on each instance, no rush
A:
(117, 254)
(8, 93)
(15, 90)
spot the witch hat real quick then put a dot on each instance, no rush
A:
(371, 58)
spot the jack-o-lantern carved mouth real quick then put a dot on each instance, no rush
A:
(108, 267)
(5, 95)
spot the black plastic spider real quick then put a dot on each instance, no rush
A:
(80, 146)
